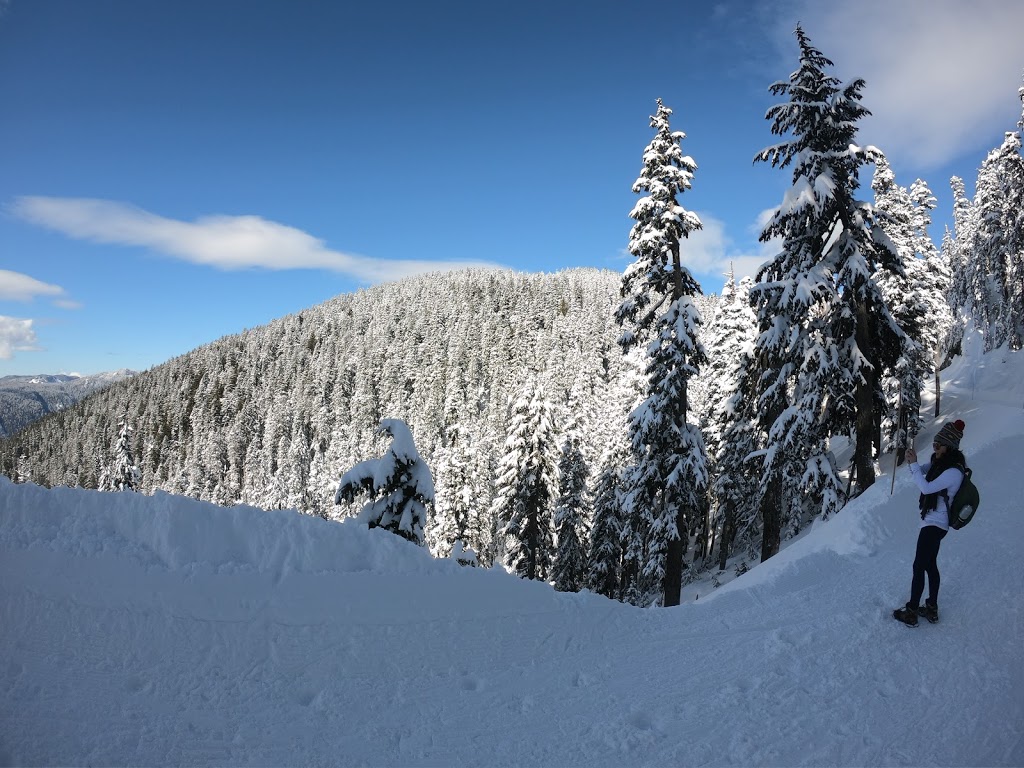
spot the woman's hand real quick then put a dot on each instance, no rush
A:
(911, 455)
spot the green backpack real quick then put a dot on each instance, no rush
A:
(964, 504)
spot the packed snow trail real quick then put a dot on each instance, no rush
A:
(167, 631)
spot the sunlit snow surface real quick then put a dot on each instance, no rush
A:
(165, 631)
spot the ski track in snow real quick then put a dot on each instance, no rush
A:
(165, 631)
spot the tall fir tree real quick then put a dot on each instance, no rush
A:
(826, 334)
(957, 252)
(934, 280)
(903, 294)
(991, 250)
(956, 255)
(987, 253)
(1000, 244)
(527, 484)
(669, 473)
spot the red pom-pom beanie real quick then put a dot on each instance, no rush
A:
(951, 434)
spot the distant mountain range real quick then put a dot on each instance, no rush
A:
(23, 399)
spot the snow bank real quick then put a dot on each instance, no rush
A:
(177, 533)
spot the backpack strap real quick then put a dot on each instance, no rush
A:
(966, 472)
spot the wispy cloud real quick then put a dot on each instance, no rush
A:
(16, 335)
(15, 286)
(942, 75)
(67, 304)
(225, 242)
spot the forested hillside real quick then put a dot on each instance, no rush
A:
(23, 399)
(272, 416)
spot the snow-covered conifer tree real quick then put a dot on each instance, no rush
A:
(604, 572)
(957, 254)
(456, 505)
(732, 328)
(669, 473)
(572, 513)
(124, 475)
(399, 485)
(1013, 309)
(608, 532)
(990, 249)
(732, 420)
(935, 281)
(997, 245)
(23, 469)
(527, 484)
(826, 334)
(902, 291)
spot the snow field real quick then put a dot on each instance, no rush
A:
(166, 631)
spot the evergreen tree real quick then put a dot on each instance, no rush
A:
(997, 246)
(604, 573)
(731, 329)
(527, 484)
(957, 256)
(934, 282)
(735, 490)
(669, 474)
(457, 497)
(1013, 309)
(23, 470)
(572, 512)
(901, 405)
(124, 475)
(398, 484)
(610, 528)
(826, 334)
(997, 191)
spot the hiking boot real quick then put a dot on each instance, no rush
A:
(929, 611)
(907, 614)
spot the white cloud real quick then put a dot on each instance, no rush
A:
(711, 253)
(942, 75)
(16, 335)
(226, 242)
(14, 286)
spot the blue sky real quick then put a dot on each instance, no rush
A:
(171, 172)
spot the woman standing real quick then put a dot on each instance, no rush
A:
(938, 480)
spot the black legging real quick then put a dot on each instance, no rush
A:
(925, 561)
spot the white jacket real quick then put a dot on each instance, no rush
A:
(949, 481)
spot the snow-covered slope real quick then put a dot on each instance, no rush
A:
(166, 631)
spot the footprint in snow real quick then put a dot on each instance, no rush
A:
(471, 684)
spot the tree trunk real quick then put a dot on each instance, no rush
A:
(771, 518)
(865, 417)
(673, 582)
(710, 532)
(938, 386)
(771, 503)
(674, 564)
(726, 540)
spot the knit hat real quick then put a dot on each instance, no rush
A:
(951, 434)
